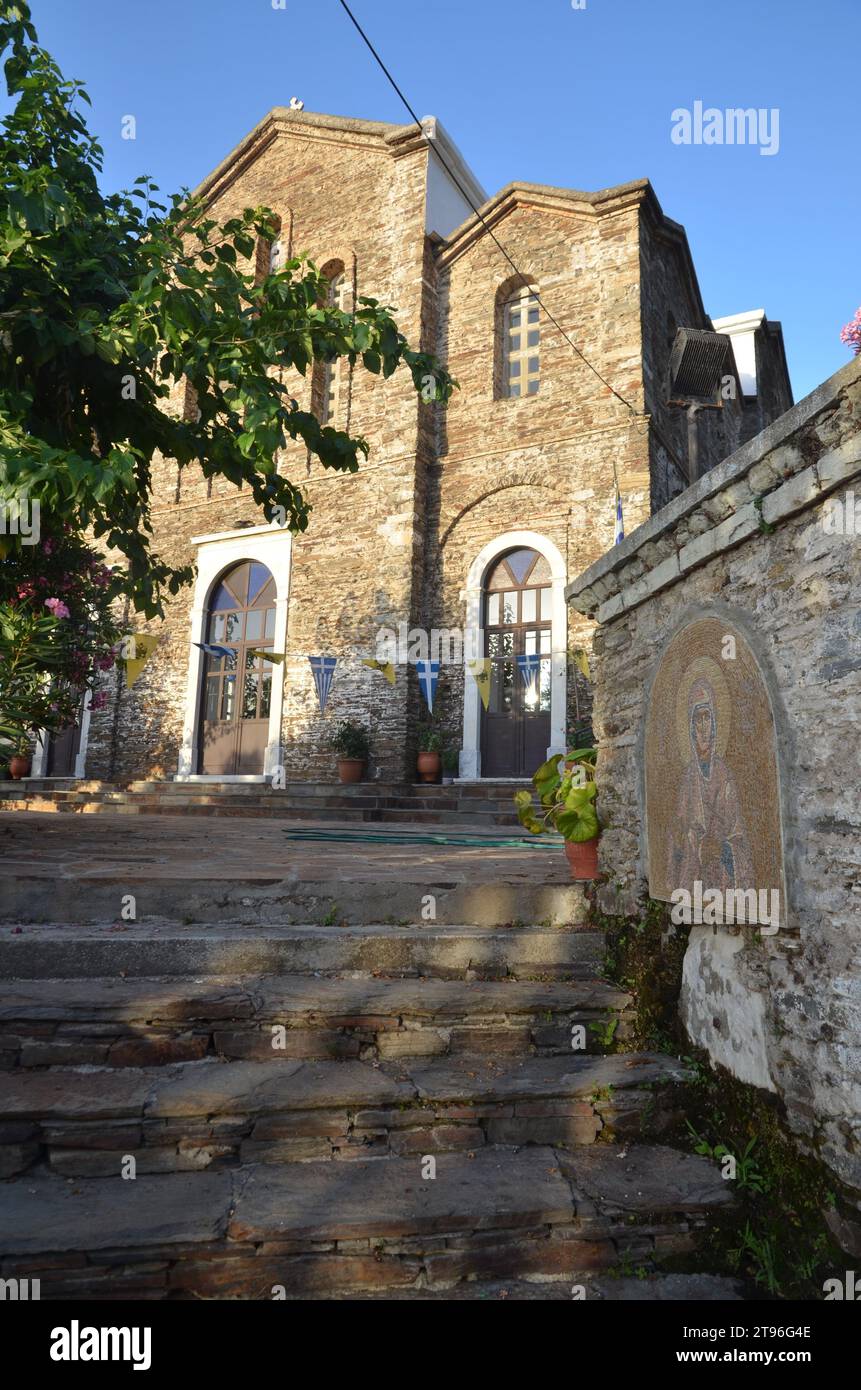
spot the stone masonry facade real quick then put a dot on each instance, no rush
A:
(397, 542)
(770, 543)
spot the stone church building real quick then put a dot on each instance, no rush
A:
(469, 519)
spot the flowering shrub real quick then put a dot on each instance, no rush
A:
(57, 632)
(851, 334)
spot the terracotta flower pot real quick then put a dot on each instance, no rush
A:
(350, 769)
(428, 765)
(582, 858)
(19, 766)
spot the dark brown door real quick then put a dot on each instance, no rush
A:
(63, 750)
(237, 689)
(516, 725)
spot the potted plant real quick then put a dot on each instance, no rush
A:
(450, 764)
(21, 761)
(430, 756)
(566, 789)
(352, 743)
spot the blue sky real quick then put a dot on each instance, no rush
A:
(538, 91)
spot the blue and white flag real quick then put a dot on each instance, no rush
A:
(529, 668)
(620, 525)
(323, 668)
(428, 673)
(213, 649)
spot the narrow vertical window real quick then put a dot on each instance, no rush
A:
(330, 397)
(521, 344)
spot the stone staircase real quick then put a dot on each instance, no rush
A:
(328, 1111)
(485, 806)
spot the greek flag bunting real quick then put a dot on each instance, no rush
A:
(529, 667)
(620, 525)
(323, 669)
(428, 673)
(215, 649)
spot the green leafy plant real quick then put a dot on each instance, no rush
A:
(605, 1031)
(760, 1254)
(747, 1173)
(430, 741)
(566, 790)
(351, 740)
(451, 760)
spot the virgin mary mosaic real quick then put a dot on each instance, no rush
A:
(712, 807)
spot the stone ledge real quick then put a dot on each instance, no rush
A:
(725, 496)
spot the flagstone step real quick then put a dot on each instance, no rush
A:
(85, 1121)
(255, 1230)
(141, 1022)
(51, 951)
(488, 806)
(486, 821)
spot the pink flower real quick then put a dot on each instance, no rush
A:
(48, 546)
(851, 334)
(104, 663)
(57, 607)
(99, 700)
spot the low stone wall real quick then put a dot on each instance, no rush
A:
(768, 545)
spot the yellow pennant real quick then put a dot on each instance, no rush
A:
(277, 657)
(385, 668)
(581, 659)
(140, 647)
(480, 672)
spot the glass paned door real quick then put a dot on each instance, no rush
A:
(237, 686)
(517, 622)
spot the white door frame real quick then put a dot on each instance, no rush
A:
(270, 546)
(470, 756)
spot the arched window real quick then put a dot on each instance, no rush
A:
(330, 389)
(329, 381)
(521, 336)
(237, 688)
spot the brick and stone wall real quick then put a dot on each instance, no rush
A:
(394, 543)
(754, 543)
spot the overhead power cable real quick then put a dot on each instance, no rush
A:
(466, 196)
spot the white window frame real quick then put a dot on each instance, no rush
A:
(525, 305)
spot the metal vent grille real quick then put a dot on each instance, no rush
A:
(697, 362)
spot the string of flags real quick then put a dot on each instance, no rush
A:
(139, 647)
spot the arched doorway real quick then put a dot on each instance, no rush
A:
(237, 689)
(517, 622)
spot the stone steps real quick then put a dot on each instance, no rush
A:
(317, 1227)
(487, 807)
(194, 1115)
(50, 951)
(112, 1021)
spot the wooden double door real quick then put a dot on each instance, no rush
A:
(517, 622)
(237, 685)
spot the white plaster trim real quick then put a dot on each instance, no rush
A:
(270, 546)
(226, 777)
(237, 531)
(470, 756)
